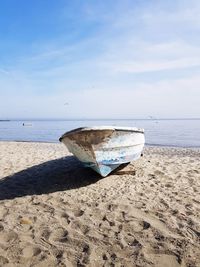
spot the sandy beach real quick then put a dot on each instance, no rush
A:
(54, 212)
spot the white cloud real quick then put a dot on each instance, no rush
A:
(148, 66)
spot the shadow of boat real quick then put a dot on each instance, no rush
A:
(51, 176)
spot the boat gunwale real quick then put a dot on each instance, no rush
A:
(102, 128)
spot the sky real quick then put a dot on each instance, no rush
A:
(99, 59)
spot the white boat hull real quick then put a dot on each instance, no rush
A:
(105, 148)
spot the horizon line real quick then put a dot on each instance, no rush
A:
(96, 119)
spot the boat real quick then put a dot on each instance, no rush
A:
(104, 148)
(27, 124)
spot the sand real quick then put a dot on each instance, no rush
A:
(54, 212)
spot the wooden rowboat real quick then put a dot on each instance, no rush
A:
(105, 148)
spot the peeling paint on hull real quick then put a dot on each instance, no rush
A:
(105, 148)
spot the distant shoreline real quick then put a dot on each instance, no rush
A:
(98, 119)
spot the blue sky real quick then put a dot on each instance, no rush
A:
(99, 59)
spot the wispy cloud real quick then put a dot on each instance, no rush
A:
(149, 66)
(3, 71)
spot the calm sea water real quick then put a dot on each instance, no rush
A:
(182, 133)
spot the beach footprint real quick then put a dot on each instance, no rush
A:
(8, 238)
(3, 260)
(31, 251)
(59, 235)
(163, 260)
(78, 213)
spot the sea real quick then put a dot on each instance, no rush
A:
(159, 132)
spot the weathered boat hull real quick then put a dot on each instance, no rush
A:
(105, 148)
